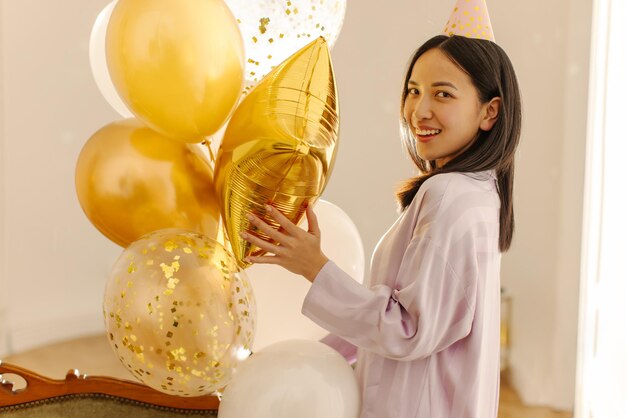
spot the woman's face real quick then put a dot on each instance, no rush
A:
(442, 108)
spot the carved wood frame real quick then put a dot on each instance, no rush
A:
(41, 388)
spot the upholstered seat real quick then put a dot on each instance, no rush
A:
(81, 396)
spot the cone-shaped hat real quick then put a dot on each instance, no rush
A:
(470, 18)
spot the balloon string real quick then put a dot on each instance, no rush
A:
(222, 236)
(207, 143)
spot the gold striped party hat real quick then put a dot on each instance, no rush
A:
(470, 18)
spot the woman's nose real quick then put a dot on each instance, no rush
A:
(422, 110)
(419, 110)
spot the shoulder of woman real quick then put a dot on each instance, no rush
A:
(461, 190)
(455, 203)
(440, 184)
(451, 186)
(455, 182)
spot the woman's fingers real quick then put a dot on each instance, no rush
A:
(290, 227)
(266, 259)
(262, 244)
(311, 217)
(267, 229)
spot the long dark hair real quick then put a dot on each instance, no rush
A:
(492, 74)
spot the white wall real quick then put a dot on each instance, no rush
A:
(56, 262)
(3, 285)
(542, 269)
(573, 149)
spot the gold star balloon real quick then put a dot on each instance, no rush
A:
(280, 145)
(178, 312)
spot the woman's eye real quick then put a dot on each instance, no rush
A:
(414, 91)
(443, 94)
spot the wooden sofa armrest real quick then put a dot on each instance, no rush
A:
(42, 388)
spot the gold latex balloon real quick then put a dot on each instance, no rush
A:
(279, 145)
(178, 313)
(178, 65)
(130, 180)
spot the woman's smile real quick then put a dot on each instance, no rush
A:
(426, 133)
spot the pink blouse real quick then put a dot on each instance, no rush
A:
(427, 327)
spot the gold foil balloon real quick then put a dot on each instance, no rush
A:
(280, 144)
(275, 29)
(130, 180)
(178, 313)
(177, 64)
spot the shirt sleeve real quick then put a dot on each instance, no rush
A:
(347, 350)
(427, 314)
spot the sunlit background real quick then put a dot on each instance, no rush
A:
(568, 197)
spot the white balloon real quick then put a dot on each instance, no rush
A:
(97, 59)
(279, 296)
(273, 30)
(296, 378)
(341, 240)
(280, 293)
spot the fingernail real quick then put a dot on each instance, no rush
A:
(268, 208)
(243, 235)
(249, 216)
(247, 259)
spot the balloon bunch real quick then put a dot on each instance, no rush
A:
(180, 312)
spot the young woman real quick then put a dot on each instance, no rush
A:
(427, 328)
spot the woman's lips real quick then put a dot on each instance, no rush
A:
(426, 138)
(426, 133)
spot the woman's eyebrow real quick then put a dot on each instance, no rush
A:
(444, 83)
(435, 84)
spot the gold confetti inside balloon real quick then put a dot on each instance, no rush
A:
(178, 65)
(275, 29)
(130, 180)
(280, 145)
(178, 313)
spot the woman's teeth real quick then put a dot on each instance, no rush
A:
(427, 132)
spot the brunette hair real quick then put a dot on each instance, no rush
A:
(492, 74)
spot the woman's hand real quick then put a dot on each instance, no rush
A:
(298, 251)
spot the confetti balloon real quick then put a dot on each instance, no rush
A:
(275, 29)
(131, 180)
(279, 146)
(178, 65)
(178, 313)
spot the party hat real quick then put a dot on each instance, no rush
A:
(470, 18)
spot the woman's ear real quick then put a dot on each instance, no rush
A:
(491, 110)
